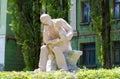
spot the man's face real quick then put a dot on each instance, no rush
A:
(46, 21)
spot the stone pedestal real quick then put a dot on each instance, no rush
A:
(71, 59)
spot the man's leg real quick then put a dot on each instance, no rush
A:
(43, 58)
(60, 58)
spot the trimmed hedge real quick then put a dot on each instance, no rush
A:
(81, 74)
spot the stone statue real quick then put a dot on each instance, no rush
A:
(56, 37)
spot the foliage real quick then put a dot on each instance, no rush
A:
(26, 25)
(57, 8)
(81, 74)
(97, 24)
(26, 28)
(101, 22)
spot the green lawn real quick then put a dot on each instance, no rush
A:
(81, 74)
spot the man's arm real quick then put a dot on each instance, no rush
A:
(45, 35)
(64, 36)
(65, 32)
(45, 38)
(68, 29)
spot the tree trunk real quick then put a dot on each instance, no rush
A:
(106, 33)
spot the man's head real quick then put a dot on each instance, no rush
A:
(45, 19)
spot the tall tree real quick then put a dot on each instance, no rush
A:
(106, 28)
(101, 22)
(26, 27)
(57, 8)
(97, 25)
(26, 24)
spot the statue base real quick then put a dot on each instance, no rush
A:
(71, 59)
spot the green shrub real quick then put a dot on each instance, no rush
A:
(81, 74)
(26, 27)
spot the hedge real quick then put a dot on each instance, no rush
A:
(81, 74)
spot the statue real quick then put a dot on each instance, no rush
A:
(56, 37)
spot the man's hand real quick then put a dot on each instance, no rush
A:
(55, 41)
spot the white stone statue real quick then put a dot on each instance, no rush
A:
(56, 37)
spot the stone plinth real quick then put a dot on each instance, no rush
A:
(71, 59)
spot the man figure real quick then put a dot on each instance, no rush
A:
(56, 37)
